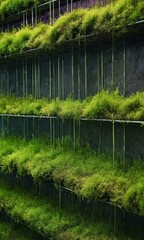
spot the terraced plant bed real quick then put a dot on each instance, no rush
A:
(104, 105)
(89, 174)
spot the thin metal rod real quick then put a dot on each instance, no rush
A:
(124, 68)
(85, 57)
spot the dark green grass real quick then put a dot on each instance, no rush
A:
(9, 230)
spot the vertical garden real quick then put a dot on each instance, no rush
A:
(71, 119)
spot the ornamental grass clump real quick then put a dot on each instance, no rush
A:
(71, 108)
(67, 26)
(104, 105)
(51, 108)
(132, 107)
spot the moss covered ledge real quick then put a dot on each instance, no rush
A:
(110, 19)
(89, 174)
(104, 105)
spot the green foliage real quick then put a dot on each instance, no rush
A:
(104, 105)
(112, 18)
(91, 175)
(8, 7)
(44, 216)
(10, 230)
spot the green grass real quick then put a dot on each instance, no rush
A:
(14, 231)
(104, 105)
(9, 7)
(112, 18)
(91, 175)
(44, 216)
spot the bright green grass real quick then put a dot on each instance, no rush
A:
(104, 105)
(114, 17)
(44, 216)
(89, 174)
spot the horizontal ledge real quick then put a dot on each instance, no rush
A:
(66, 118)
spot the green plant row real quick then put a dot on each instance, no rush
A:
(9, 7)
(13, 231)
(42, 215)
(91, 175)
(110, 18)
(104, 105)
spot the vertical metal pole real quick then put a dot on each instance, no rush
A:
(2, 130)
(54, 80)
(33, 81)
(36, 17)
(23, 79)
(50, 80)
(98, 73)
(113, 140)
(124, 70)
(26, 77)
(33, 134)
(58, 76)
(32, 16)
(51, 140)
(53, 13)
(74, 133)
(26, 18)
(60, 197)
(62, 131)
(112, 79)
(85, 69)
(16, 80)
(102, 68)
(63, 77)
(50, 13)
(72, 72)
(71, 5)
(67, 8)
(7, 74)
(59, 8)
(23, 19)
(35, 64)
(39, 85)
(79, 71)
(115, 215)
(53, 132)
(124, 145)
